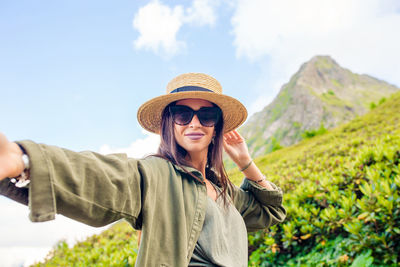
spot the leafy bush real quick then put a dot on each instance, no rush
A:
(342, 196)
(275, 144)
(372, 105)
(116, 246)
(312, 133)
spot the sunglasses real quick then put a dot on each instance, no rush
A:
(183, 115)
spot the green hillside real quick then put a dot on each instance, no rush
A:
(116, 246)
(341, 194)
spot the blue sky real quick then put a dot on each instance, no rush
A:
(73, 73)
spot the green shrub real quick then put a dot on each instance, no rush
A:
(382, 100)
(341, 194)
(275, 144)
(310, 134)
(116, 246)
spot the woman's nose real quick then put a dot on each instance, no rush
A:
(195, 122)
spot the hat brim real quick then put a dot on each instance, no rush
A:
(149, 114)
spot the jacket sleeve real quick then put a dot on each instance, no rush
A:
(88, 187)
(259, 207)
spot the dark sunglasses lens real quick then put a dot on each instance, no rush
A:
(209, 116)
(181, 115)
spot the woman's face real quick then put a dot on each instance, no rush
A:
(194, 137)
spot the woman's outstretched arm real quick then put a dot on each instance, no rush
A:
(89, 187)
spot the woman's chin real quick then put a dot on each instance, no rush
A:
(196, 148)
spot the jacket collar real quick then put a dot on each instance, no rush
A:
(190, 169)
(210, 174)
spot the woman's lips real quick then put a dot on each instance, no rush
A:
(194, 136)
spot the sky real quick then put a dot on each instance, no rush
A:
(73, 73)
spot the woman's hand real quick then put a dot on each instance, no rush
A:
(235, 146)
(11, 163)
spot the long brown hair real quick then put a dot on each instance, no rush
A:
(172, 151)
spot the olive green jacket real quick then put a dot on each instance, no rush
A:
(152, 194)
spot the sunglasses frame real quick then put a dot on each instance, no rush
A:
(196, 112)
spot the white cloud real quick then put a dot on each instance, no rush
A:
(159, 24)
(202, 12)
(137, 149)
(22, 255)
(281, 35)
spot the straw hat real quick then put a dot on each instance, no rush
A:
(192, 85)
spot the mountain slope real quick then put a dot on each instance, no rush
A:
(320, 93)
(341, 194)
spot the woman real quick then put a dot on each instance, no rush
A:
(181, 199)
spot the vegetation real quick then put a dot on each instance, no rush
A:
(283, 99)
(116, 246)
(372, 105)
(341, 194)
(296, 125)
(336, 83)
(310, 134)
(275, 144)
(332, 99)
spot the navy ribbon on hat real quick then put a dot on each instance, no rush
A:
(190, 88)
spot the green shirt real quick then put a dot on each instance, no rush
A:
(152, 194)
(223, 238)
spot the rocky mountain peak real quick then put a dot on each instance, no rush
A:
(320, 93)
(324, 64)
(322, 74)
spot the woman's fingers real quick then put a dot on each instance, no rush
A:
(237, 135)
(233, 137)
(228, 135)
